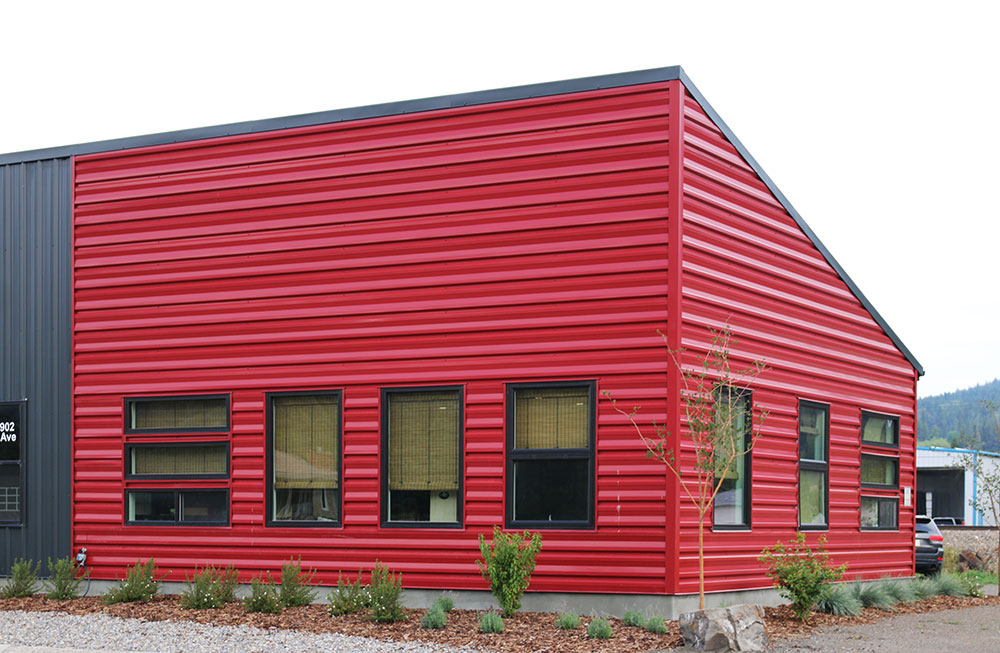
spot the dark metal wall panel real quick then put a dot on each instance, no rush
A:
(35, 347)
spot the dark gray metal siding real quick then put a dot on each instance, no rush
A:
(35, 263)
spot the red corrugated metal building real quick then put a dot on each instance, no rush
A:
(376, 333)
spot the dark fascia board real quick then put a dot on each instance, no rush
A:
(652, 75)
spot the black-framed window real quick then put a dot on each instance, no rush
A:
(422, 456)
(178, 507)
(879, 513)
(733, 412)
(879, 430)
(177, 414)
(12, 455)
(162, 460)
(550, 454)
(814, 457)
(304, 458)
(879, 471)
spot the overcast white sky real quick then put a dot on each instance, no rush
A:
(878, 120)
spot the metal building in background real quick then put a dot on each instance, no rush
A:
(34, 359)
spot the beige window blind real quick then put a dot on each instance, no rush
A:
(179, 461)
(552, 418)
(423, 440)
(180, 414)
(878, 429)
(306, 441)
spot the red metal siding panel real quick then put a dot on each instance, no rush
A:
(746, 263)
(500, 243)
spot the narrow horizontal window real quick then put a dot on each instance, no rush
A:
(304, 434)
(204, 507)
(194, 460)
(879, 429)
(177, 414)
(879, 513)
(880, 471)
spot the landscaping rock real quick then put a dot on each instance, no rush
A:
(737, 628)
(969, 559)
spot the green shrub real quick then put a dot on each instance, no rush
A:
(490, 622)
(23, 579)
(900, 590)
(656, 625)
(63, 582)
(984, 577)
(385, 592)
(348, 597)
(924, 588)
(567, 621)
(264, 596)
(598, 629)
(841, 601)
(507, 565)
(971, 585)
(873, 595)
(140, 584)
(634, 619)
(433, 619)
(802, 574)
(950, 560)
(443, 603)
(950, 585)
(212, 587)
(296, 587)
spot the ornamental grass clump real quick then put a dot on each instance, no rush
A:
(63, 582)
(803, 575)
(23, 579)
(840, 601)
(296, 587)
(567, 621)
(924, 588)
(264, 596)
(598, 629)
(507, 565)
(950, 585)
(490, 623)
(385, 592)
(873, 595)
(348, 597)
(900, 590)
(434, 620)
(140, 584)
(634, 619)
(212, 587)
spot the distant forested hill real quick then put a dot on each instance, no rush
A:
(958, 418)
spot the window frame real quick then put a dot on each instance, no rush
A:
(879, 500)
(20, 464)
(810, 465)
(384, 462)
(130, 401)
(269, 521)
(871, 443)
(132, 476)
(513, 455)
(878, 486)
(745, 395)
(177, 492)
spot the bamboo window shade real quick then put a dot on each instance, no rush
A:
(179, 461)
(423, 440)
(180, 414)
(552, 418)
(306, 441)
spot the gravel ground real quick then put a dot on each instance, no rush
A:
(970, 629)
(102, 632)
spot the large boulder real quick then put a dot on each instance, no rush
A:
(737, 628)
(969, 559)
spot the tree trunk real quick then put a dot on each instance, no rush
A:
(701, 563)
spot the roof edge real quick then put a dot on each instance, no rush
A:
(721, 124)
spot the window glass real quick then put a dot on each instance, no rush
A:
(181, 414)
(10, 493)
(878, 429)
(550, 457)
(193, 460)
(204, 506)
(151, 506)
(731, 506)
(11, 450)
(812, 432)
(877, 512)
(812, 498)
(876, 470)
(305, 480)
(423, 447)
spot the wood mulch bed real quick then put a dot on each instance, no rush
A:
(525, 631)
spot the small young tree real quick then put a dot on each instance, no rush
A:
(987, 499)
(720, 423)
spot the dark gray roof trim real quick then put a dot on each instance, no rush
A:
(469, 99)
